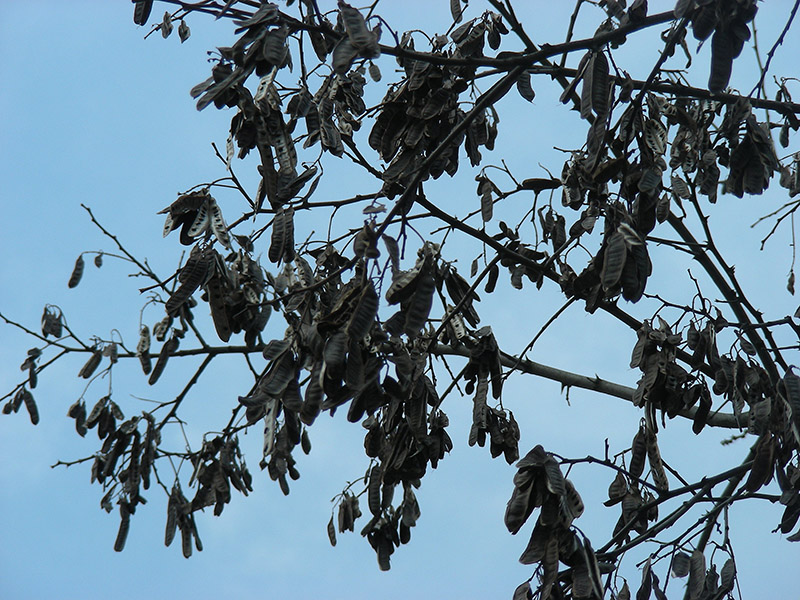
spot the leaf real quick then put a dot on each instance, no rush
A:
(77, 272)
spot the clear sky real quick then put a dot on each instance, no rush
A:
(94, 114)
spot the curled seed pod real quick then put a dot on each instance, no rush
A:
(98, 260)
(77, 272)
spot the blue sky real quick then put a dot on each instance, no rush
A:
(94, 114)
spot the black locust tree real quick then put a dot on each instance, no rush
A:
(377, 319)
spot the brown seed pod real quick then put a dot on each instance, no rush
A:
(77, 272)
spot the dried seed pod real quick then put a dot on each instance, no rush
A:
(638, 453)
(656, 464)
(331, 532)
(91, 365)
(364, 314)
(141, 11)
(77, 272)
(30, 405)
(124, 526)
(697, 574)
(420, 306)
(169, 347)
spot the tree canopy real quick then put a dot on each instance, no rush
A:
(330, 261)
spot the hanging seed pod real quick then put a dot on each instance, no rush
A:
(143, 349)
(30, 405)
(91, 365)
(141, 11)
(169, 347)
(183, 31)
(124, 526)
(77, 272)
(638, 453)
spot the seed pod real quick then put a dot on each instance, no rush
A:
(374, 491)
(91, 365)
(656, 464)
(77, 272)
(169, 347)
(420, 306)
(638, 452)
(124, 526)
(332, 532)
(30, 405)
(141, 11)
